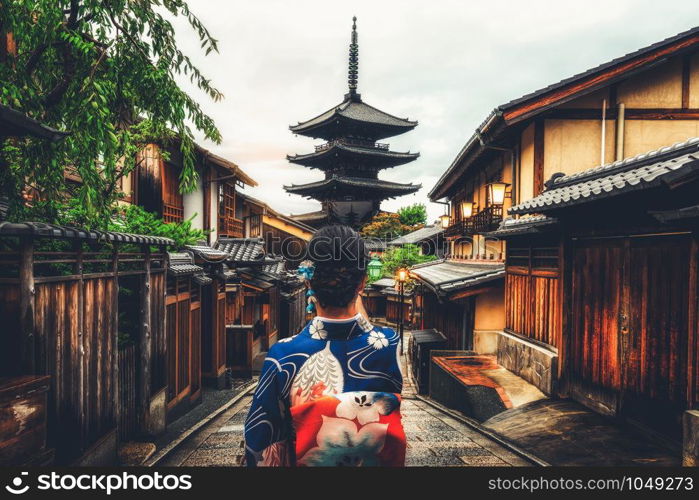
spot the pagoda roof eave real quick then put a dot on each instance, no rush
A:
(316, 159)
(354, 111)
(379, 188)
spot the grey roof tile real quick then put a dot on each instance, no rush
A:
(523, 225)
(242, 249)
(355, 182)
(447, 276)
(422, 234)
(640, 172)
(358, 111)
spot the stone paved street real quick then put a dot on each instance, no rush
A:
(434, 439)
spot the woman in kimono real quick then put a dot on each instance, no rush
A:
(330, 395)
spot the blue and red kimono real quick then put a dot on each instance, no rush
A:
(329, 396)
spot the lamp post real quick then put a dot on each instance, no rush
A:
(401, 277)
(375, 268)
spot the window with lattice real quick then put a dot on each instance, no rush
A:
(173, 202)
(228, 223)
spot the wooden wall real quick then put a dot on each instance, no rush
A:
(454, 319)
(214, 330)
(533, 294)
(74, 318)
(183, 323)
(630, 332)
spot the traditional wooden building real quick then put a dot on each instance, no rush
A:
(626, 234)
(259, 294)
(282, 234)
(351, 192)
(430, 240)
(595, 307)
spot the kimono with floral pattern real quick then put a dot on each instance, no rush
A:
(329, 396)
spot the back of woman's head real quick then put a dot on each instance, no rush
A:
(340, 258)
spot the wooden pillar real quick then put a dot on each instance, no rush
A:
(26, 307)
(145, 342)
(115, 336)
(82, 371)
(538, 157)
(693, 326)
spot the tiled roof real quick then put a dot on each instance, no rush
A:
(276, 268)
(355, 182)
(43, 230)
(316, 216)
(448, 276)
(207, 253)
(226, 164)
(202, 279)
(16, 123)
(182, 264)
(355, 110)
(639, 172)
(417, 236)
(384, 283)
(523, 225)
(375, 244)
(242, 249)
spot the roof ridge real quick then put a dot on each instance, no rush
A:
(599, 67)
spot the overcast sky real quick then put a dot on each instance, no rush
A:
(444, 63)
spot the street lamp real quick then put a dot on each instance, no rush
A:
(375, 268)
(497, 192)
(467, 208)
(401, 277)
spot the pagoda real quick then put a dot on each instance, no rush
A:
(351, 191)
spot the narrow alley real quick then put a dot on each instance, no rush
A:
(434, 439)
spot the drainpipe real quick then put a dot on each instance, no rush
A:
(621, 116)
(604, 132)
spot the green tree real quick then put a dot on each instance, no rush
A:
(413, 215)
(104, 70)
(403, 257)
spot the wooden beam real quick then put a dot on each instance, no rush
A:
(629, 114)
(470, 293)
(145, 347)
(115, 335)
(595, 80)
(693, 329)
(538, 157)
(686, 68)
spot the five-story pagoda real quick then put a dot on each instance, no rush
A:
(351, 191)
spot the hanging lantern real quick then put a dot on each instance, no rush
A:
(375, 268)
(497, 192)
(467, 209)
(444, 220)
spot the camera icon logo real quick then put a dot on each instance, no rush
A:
(16, 487)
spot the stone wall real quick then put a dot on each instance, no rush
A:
(535, 364)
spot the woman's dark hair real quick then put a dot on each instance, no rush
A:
(340, 257)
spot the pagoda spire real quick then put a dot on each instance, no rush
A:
(353, 74)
